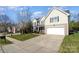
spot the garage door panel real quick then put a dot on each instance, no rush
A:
(57, 31)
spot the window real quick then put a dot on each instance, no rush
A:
(54, 19)
(34, 24)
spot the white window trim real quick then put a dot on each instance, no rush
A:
(54, 21)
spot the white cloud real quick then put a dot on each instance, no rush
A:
(37, 14)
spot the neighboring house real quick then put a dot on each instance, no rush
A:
(11, 29)
(35, 25)
(56, 22)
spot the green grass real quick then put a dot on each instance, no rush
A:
(23, 37)
(70, 44)
(2, 41)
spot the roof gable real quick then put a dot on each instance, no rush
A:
(63, 12)
(34, 20)
(43, 18)
(57, 10)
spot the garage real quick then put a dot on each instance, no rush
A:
(56, 31)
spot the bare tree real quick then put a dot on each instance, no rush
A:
(24, 19)
(4, 22)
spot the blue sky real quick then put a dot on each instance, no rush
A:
(36, 11)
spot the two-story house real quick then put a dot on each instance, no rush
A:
(56, 23)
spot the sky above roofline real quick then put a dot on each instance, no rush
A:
(36, 11)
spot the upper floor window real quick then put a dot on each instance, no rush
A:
(34, 24)
(54, 19)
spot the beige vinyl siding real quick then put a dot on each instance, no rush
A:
(63, 19)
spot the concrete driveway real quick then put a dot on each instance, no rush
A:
(40, 44)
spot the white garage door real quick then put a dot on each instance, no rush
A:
(56, 31)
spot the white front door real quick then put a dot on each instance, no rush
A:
(56, 31)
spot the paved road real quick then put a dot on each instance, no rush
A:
(40, 44)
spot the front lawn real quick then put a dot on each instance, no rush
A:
(23, 37)
(2, 41)
(70, 43)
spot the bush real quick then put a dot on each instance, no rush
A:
(74, 25)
